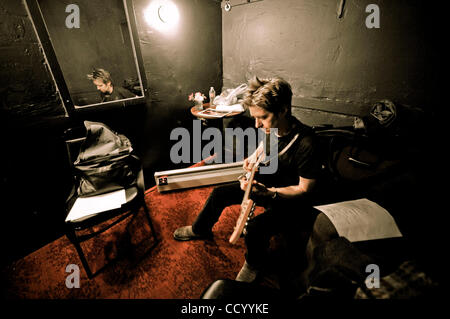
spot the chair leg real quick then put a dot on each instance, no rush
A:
(150, 223)
(71, 235)
(73, 239)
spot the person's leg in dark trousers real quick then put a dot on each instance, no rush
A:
(281, 216)
(221, 197)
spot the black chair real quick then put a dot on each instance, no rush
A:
(135, 200)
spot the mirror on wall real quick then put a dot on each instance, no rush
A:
(92, 49)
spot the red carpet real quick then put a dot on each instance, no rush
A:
(171, 270)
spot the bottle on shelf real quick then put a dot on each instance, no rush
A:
(212, 95)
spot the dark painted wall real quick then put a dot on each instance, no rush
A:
(26, 88)
(32, 182)
(334, 64)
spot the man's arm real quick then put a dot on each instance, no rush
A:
(305, 185)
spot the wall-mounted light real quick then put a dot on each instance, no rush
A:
(162, 15)
(227, 6)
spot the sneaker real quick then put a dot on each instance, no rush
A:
(186, 233)
(247, 273)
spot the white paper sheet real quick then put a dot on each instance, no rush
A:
(87, 206)
(361, 219)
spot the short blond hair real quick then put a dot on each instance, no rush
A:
(101, 74)
(273, 94)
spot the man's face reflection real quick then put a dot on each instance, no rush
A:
(103, 87)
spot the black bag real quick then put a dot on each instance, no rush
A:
(105, 162)
(395, 127)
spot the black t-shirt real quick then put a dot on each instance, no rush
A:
(118, 93)
(301, 159)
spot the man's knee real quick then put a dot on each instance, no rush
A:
(217, 191)
(257, 230)
(252, 228)
(225, 191)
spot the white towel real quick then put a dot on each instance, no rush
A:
(230, 108)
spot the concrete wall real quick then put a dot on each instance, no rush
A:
(334, 64)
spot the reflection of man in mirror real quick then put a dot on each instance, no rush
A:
(103, 81)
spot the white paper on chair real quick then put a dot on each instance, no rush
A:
(87, 206)
(361, 219)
